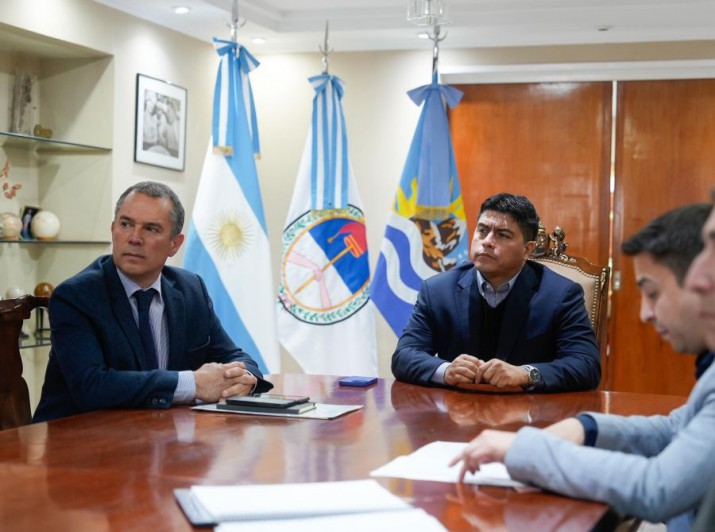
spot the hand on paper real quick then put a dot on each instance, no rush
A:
(216, 381)
(489, 446)
(463, 369)
(501, 374)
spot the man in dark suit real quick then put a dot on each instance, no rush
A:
(130, 332)
(503, 320)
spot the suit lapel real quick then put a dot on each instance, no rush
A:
(516, 312)
(123, 311)
(468, 309)
(175, 316)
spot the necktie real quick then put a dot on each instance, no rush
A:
(144, 298)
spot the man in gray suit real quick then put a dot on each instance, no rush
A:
(658, 467)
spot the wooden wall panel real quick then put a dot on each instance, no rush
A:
(665, 157)
(548, 141)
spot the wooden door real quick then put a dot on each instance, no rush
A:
(547, 141)
(665, 157)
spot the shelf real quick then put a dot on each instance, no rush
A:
(31, 341)
(42, 145)
(57, 242)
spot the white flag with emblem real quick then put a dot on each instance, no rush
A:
(325, 315)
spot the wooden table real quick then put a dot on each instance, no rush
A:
(117, 469)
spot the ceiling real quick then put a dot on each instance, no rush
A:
(362, 25)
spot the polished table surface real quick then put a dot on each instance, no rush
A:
(117, 469)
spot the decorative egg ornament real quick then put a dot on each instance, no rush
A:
(45, 225)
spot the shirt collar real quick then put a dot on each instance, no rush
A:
(505, 288)
(130, 286)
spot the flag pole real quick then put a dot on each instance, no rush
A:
(436, 39)
(235, 25)
(325, 50)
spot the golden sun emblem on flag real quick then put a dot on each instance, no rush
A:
(230, 235)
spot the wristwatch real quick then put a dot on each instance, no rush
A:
(534, 377)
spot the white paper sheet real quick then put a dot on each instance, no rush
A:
(414, 519)
(322, 411)
(285, 501)
(431, 462)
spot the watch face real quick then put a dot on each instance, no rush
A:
(534, 375)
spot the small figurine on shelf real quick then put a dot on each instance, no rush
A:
(27, 214)
(42, 321)
(21, 112)
(44, 132)
(8, 189)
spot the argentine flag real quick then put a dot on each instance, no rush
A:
(228, 242)
(426, 228)
(326, 319)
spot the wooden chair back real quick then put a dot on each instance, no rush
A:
(14, 395)
(551, 251)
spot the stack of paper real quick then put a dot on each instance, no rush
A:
(431, 462)
(413, 519)
(306, 506)
(321, 411)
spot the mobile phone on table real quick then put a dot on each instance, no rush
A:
(357, 381)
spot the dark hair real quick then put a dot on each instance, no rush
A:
(519, 208)
(674, 238)
(157, 190)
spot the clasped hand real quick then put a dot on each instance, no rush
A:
(217, 381)
(467, 369)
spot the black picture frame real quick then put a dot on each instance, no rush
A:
(160, 133)
(28, 213)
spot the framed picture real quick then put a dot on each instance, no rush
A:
(160, 137)
(28, 213)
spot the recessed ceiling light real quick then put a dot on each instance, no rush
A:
(423, 35)
(181, 10)
(604, 28)
(258, 40)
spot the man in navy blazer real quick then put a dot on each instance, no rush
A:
(501, 320)
(99, 358)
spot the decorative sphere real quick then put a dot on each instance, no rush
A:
(13, 292)
(45, 225)
(12, 225)
(44, 290)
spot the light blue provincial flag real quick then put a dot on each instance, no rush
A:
(228, 242)
(426, 227)
(326, 320)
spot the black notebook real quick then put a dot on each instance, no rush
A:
(267, 400)
(255, 409)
